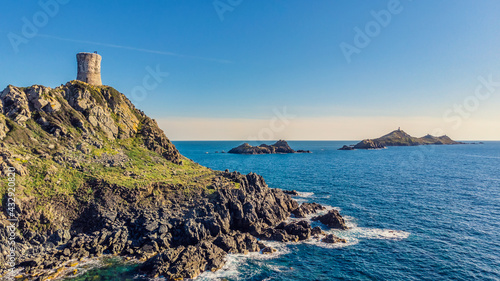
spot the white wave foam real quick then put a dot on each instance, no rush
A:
(367, 233)
(350, 241)
(232, 267)
(303, 197)
(376, 233)
(306, 194)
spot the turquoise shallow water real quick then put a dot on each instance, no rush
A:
(417, 213)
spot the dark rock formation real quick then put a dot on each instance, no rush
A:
(332, 219)
(291, 232)
(346, 147)
(280, 146)
(307, 209)
(330, 238)
(291, 192)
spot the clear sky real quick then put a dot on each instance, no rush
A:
(262, 69)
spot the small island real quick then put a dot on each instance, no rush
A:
(280, 146)
(400, 138)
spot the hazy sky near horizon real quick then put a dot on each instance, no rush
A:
(302, 70)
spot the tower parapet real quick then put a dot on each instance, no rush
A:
(89, 68)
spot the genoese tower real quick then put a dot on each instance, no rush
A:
(89, 68)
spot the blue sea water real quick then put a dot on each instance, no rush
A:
(416, 213)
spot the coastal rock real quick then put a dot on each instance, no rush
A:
(332, 219)
(346, 147)
(280, 146)
(185, 262)
(307, 209)
(288, 232)
(368, 144)
(291, 192)
(268, 250)
(330, 238)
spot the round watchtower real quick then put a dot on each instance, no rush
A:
(89, 68)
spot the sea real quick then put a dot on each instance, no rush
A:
(415, 213)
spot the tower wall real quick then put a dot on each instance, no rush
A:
(89, 68)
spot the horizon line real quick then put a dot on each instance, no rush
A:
(470, 140)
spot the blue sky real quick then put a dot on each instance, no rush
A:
(229, 71)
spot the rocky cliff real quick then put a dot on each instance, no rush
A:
(96, 176)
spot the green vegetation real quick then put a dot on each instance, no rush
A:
(143, 167)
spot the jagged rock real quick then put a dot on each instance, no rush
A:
(185, 262)
(268, 250)
(61, 236)
(155, 140)
(291, 192)
(330, 238)
(288, 232)
(332, 219)
(307, 209)
(238, 242)
(316, 231)
(280, 146)
(14, 105)
(345, 147)
(4, 129)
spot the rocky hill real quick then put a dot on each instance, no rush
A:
(401, 138)
(280, 146)
(93, 176)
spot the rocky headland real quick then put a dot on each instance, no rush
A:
(280, 146)
(95, 176)
(400, 138)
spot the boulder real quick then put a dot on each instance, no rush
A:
(332, 219)
(330, 238)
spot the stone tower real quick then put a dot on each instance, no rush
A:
(89, 68)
